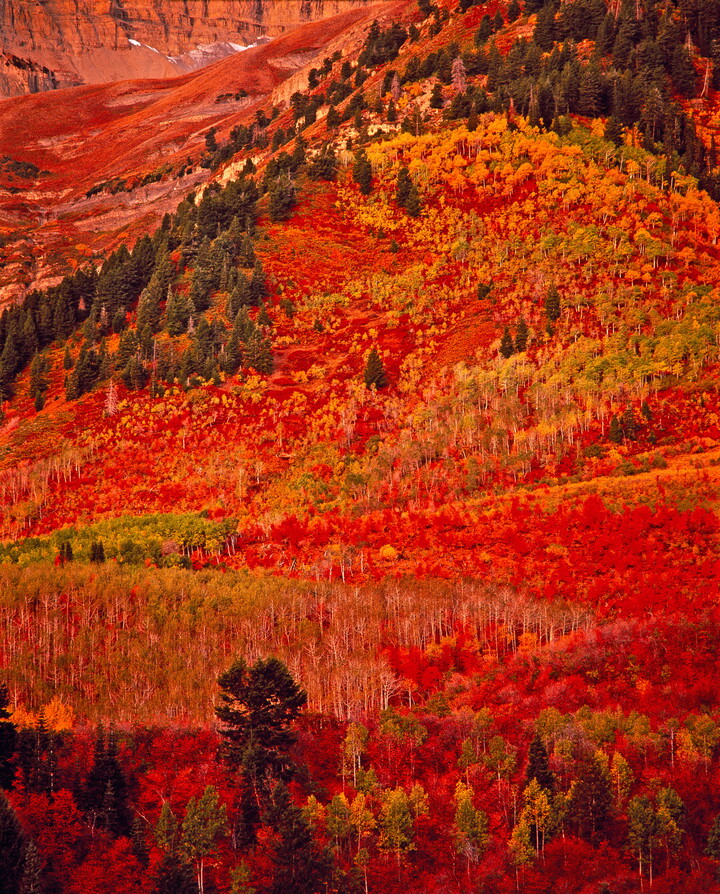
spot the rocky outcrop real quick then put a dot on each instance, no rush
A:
(60, 43)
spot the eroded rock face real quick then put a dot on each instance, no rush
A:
(85, 169)
(61, 43)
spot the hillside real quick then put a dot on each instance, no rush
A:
(414, 387)
(57, 43)
(75, 177)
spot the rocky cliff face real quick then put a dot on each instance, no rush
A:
(60, 43)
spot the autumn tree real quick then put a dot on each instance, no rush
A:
(205, 821)
(471, 825)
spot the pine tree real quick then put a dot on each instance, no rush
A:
(521, 336)
(300, 865)
(258, 355)
(177, 314)
(111, 399)
(403, 187)
(8, 740)
(375, 374)
(538, 765)
(31, 880)
(104, 794)
(436, 98)
(413, 205)
(258, 704)
(590, 802)
(258, 288)
(282, 198)
(459, 75)
(507, 348)
(615, 434)
(552, 304)
(12, 846)
(362, 173)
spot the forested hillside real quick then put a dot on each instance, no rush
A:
(360, 523)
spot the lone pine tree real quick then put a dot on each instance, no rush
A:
(257, 706)
(375, 371)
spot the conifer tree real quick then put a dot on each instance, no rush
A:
(12, 846)
(31, 880)
(403, 187)
(299, 864)
(615, 433)
(282, 198)
(538, 765)
(521, 336)
(258, 704)
(362, 173)
(8, 740)
(375, 374)
(413, 205)
(552, 305)
(507, 348)
(436, 98)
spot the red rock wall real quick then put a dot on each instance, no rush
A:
(61, 43)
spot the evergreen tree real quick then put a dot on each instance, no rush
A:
(333, 118)
(682, 72)
(590, 802)
(8, 740)
(31, 880)
(258, 288)
(552, 304)
(299, 864)
(324, 164)
(257, 706)
(521, 337)
(258, 355)
(362, 173)
(615, 433)
(629, 424)
(282, 198)
(538, 766)
(413, 205)
(12, 846)
(591, 91)
(104, 796)
(375, 374)
(436, 98)
(177, 314)
(403, 187)
(507, 348)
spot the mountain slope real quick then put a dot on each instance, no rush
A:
(109, 161)
(54, 44)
